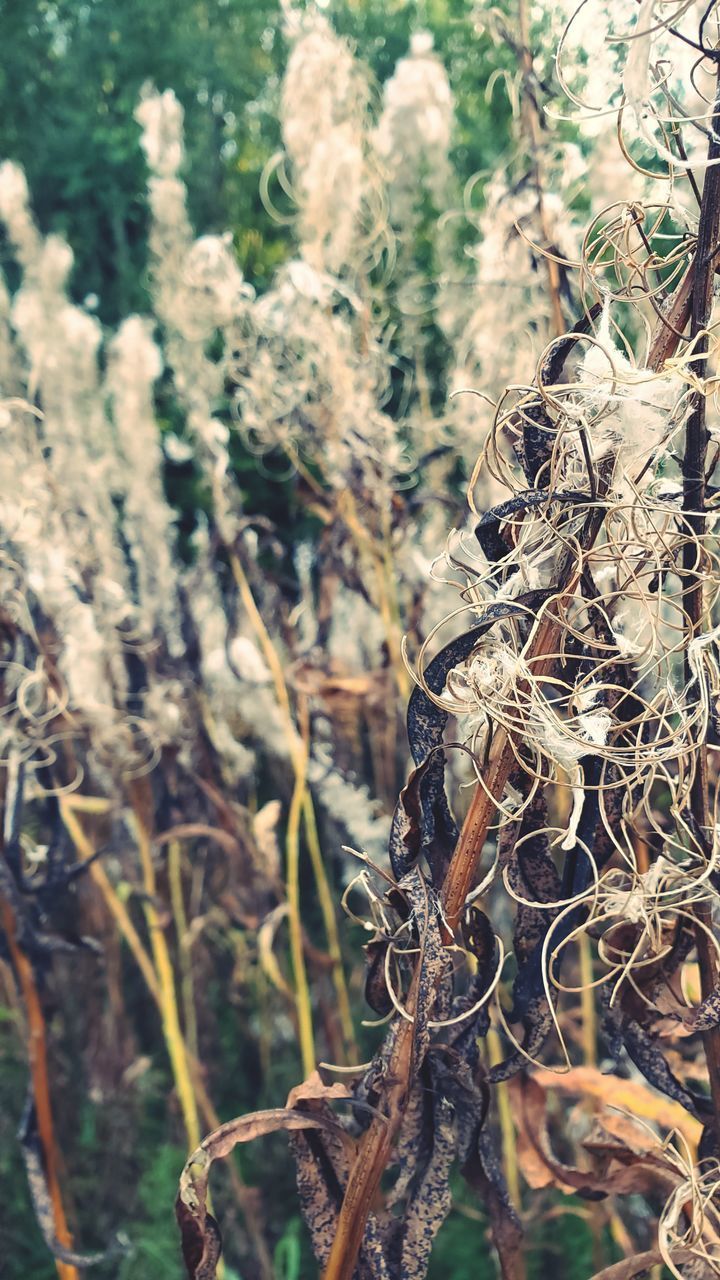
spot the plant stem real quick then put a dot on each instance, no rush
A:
(128, 931)
(300, 804)
(375, 1146)
(113, 902)
(39, 1075)
(184, 958)
(507, 1126)
(163, 968)
(587, 1003)
(331, 927)
(297, 952)
(694, 462)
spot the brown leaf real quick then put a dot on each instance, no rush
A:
(315, 1090)
(627, 1159)
(629, 1095)
(322, 1161)
(539, 1165)
(376, 992)
(624, 1155)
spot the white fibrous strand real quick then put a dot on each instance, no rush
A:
(306, 389)
(350, 807)
(324, 105)
(414, 132)
(412, 140)
(199, 293)
(78, 575)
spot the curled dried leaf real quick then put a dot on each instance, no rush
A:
(200, 1234)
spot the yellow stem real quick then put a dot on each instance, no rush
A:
(587, 1004)
(168, 999)
(507, 1128)
(327, 908)
(297, 952)
(270, 653)
(127, 930)
(381, 562)
(301, 803)
(113, 902)
(181, 930)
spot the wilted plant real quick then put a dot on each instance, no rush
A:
(586, 686)
(162, 711)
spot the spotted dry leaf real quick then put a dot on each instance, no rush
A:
(200, 1234)
(431, 1201)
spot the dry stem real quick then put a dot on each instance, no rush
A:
(694, 463)
(37, 1057)
(376, 1144)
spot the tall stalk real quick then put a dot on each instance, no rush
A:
(181, 1050)
(543, 648)
(40, 1081)
(694, 498)
(301, 810)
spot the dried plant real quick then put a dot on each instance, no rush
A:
(185, 725)
(585, 689)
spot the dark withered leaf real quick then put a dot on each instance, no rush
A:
(478, 936)
(373, 1261)
(648, 1058)
(533, 875)
(483, 1171)
(413, 1139)
(480, 940)
(201, 1246)
(322, 1162)
(537, 1026)
(322, 1167)
(426, 725)
(487, 532)
(376, 992)
(431, 964)
(431, 1201)
(538, 429)
(406, 833)
(708, 1146)
(536, 877)
(708, 1013)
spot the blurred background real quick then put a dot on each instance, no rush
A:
(249, 253)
